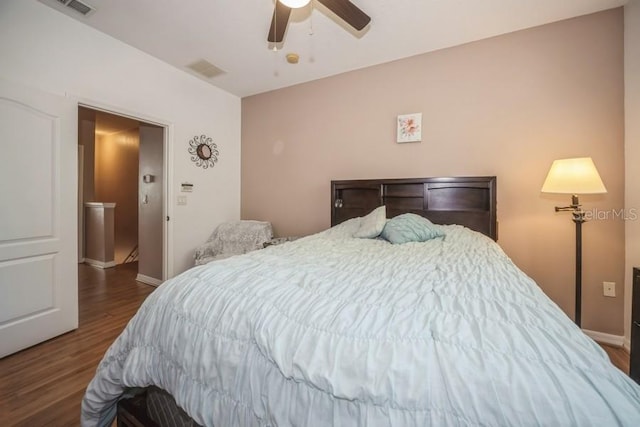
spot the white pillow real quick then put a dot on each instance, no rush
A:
(372, 225)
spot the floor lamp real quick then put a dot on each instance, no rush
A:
(574, 176)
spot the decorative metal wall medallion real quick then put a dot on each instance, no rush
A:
(204, 152)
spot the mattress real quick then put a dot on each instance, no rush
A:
(339, 331)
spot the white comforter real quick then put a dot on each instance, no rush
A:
(335, 331)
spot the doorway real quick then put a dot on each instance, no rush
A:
(121, 193)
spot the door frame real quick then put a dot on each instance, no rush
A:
(167, 193)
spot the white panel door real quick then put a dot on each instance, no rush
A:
(38, 217)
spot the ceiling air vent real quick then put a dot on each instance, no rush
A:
(205, 68)
(80, 7)
(64, 5)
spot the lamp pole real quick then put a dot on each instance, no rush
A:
(578, 218)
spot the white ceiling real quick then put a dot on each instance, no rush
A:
(232, 34)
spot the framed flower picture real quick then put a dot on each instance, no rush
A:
(409, 128)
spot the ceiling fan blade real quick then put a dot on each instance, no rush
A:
(349, 12)
(279, 23)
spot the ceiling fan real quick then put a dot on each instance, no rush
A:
(346, 10)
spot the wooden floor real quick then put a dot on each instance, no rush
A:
(43, 385)
(618, 356)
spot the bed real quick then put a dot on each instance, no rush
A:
(342, 331)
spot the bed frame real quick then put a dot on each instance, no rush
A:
(467, 201)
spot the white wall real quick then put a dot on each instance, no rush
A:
(43, 48)
(632, 148)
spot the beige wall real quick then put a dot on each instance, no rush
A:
(506, 106)
(86, 138)
(632, 146)
(99, 232)
(116, 180)
(150, 208)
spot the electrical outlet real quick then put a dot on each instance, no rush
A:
(182, 200)
(609, 289)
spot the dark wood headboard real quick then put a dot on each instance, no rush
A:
(468, 201)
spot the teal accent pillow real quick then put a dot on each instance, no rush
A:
(410, 228)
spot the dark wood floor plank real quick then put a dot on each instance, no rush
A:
(43, 385)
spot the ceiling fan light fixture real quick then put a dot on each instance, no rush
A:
(344, 9)
(295, 4)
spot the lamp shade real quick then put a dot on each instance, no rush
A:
(573, 176)
(294, 4)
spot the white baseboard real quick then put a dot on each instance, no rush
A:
(601, 337)
(627, 345)
(99, 264)
(148, 280)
